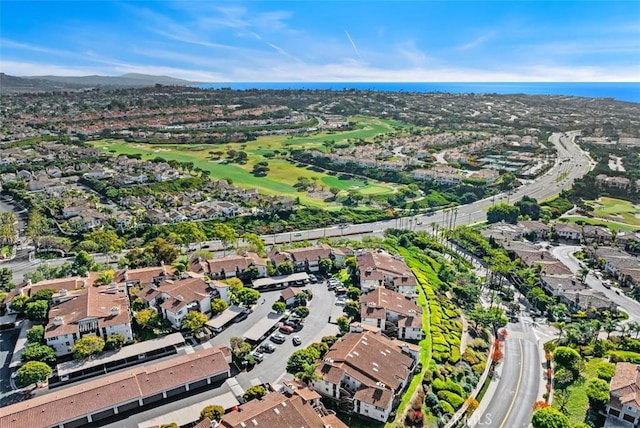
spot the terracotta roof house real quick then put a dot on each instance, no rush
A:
(307, 259)
(278, 410)
(87, 403)
(231, 266)
(624, 402)
(367, 369)
(28, 288)
(288, 295)
(380, 269)
(144, 276)
(381, 305)
(175, 298)
(535, 229)
(567, 231)
(100, 311)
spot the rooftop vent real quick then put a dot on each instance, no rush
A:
(63, 292)
(328, 361)
(180, 298)
(57, 321)
(371, 304)
(380, 385)
(115, 310)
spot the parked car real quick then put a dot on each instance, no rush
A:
(313, 278)
(267, 347)
(286, 329)
(294, 323)
(296, 340)
(258, 356)
(278, 338)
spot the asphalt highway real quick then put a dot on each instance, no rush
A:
(571, 164)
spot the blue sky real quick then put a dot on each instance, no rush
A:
(351, 41)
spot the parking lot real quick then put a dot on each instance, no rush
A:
(273, 367)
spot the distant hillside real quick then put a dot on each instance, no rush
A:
(14, 84)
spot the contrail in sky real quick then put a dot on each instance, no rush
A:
(355, 48)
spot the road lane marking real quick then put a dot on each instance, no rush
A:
(513, 401)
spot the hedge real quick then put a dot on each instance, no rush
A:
(452, 398)
(447, 408)
(624, 356)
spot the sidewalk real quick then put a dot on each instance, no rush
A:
(478, 414)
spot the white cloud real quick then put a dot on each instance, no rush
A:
(475, 43)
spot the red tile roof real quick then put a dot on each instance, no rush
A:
(76, 401)
(625, 385)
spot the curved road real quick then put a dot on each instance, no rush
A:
(564, 253)
(571, 164)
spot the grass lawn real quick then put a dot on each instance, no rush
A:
(578, 401)
(617, 210)
(601, 222)
(282, 174)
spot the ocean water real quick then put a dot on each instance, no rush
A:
(620, 91)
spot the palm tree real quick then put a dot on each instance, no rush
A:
(560, 326)
(610, 325)
(635, 328)
(181, 265)
(308, 374)
(625, 330)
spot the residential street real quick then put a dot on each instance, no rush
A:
(564, 253)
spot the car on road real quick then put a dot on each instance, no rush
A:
(278, 338)
(267, 347)
(296, 340)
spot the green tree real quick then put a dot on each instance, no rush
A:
(301, 311)
(44, 294)
(33, 372)
(250, 273)
(254, 243)
(37, 310)
(19, 303)
(161, 251)
(86, 346)
(285, 268)
(181, 265)
(354, 293)
(38, 352)
(213, 412)
(218, 306)
(6, 279)
(146, 318)
(321, 347)
(247, 296)
(239, 347)
(563, 378)
(606, 371)
(254, 392)
(82, 263)
(105, 277)
(329, 340)
(503, 212)
(115, 342)
(548, 417)
(568, 358)
(194, 320)
(597, 393)
(225, 234)
(235, 284)
(107, 240)
(343, 324)
(325, 266)
(352, 309)
(529, 207)
(299, 358)
(36, 334)
(279, 307)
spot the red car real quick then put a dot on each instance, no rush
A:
(286, 329)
